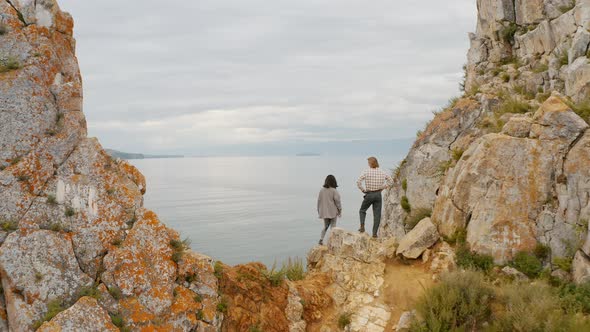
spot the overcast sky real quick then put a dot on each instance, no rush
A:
(191, 76)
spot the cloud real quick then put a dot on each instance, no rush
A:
(183, 75)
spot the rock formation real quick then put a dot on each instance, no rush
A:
(506, 164)
(507, 161)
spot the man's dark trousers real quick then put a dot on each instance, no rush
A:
(372, 198)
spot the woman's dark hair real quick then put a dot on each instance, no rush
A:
(330, 182)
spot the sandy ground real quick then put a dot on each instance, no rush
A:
(403, 285)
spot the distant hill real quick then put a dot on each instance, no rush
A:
(128, 155)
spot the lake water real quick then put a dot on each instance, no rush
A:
(242, 209)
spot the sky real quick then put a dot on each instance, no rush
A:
(195, 77)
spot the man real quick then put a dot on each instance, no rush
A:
(375, 180)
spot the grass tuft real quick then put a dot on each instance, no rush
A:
(115, 292)
(9, 226)
(472, 260)
(527, 263)
(460, 302)
(51, 199)
(344, 320)
(8, 64)
(274, 275)
(405, 203)
(294, 269)
(70, 212)
(416, 216)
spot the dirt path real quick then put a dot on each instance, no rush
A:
(403, 285)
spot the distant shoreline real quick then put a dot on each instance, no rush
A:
(133, 156)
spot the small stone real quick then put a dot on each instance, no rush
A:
(422, 237)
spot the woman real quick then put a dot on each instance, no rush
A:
(329, 206)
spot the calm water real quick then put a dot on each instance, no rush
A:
(241, 209)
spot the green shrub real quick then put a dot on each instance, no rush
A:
(527, 263)
(56, 227)
(472, 260)
(115, 292)
(457, 154)
(542, 251)
(540, 68)
(70, 212)
(344, 320)
(405, 184)
(222, 306)
(23, 178)
(507, 33)
(8, 64)
(51, 199)
(458, 237)
(54, 307)
(91, 291)
(9, 226)
(254, 329)
(117, 320)
(274, 275)
(200, 315)
(513, 105)
(505, 77)
(3, 29)
(416, 216)
(563, 263)
(405, 203)
(529, 307)
(179, 247)
(575, 298)
(563, 59)
(294, 269)
(460, 302)
(218, 269)
(444, 166)
(567, 8)
(198, 298)
(582, 109)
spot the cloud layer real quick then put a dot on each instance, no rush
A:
(188, 76)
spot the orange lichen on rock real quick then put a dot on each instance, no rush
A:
(252, 301)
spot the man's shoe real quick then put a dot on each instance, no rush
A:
(374, 236)
(362, 229)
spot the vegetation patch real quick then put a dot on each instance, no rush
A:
(582, 108)
(179, 247)
(540, 68)
(527, 263)
(9, 226)
(117, 320)
(294, 269)
(3, 29)
(218, 269)
(416, 216)
(344, 320)
(460, 302)
(51, 199)
(8, 64)
(70, 212)
(563, 263)
(274, 275)
(513, 105)
(54, 307)
(115, 292)
(91, 291)
(508, 32)
(405, 184)
(222, 306)
(542, 251)
(472, 260)
(405, 203)
(459, 237)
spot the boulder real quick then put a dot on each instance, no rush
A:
(84, 316)
(577, 79)
(38, 267)
(422, 237)
(443, 260)
(529, 11)
(518, 126)
(512, 272)
(538, 41)
(405, 321)
(499, 189)
(581, 268)
(579, 45)
(142, 268)
(354, 245)
(554, 8)
(582, 13)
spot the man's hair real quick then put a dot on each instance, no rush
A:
(330, 182)
(373, 162)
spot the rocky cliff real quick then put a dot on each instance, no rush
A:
(508, 162)
(506, 165)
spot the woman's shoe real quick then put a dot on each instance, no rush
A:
(321, 243)
(362, 229)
